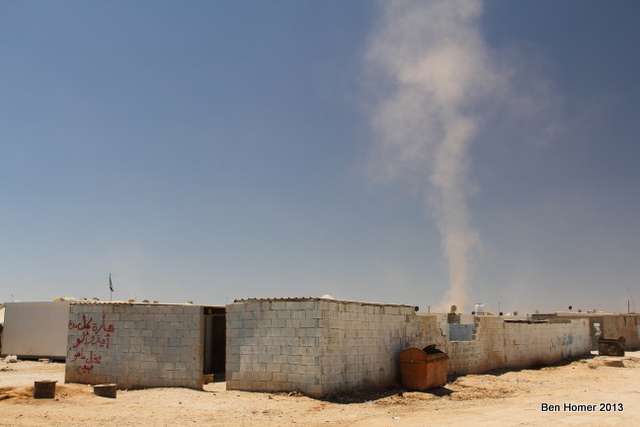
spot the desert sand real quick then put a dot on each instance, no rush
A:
(596, 394)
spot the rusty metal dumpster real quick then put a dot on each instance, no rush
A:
(422, 371)
(608, 347)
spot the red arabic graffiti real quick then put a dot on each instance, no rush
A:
(94, 334)
(89, 361)
(89, 324)
(92, 339)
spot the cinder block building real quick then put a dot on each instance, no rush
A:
(324, 346)
(138, 345)
(319, 346)
(316, 345)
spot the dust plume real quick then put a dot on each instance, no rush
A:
(434, 79)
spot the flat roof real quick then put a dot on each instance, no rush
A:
(379, 304)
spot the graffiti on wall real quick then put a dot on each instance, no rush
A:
(95, 335)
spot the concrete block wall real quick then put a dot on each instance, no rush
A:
(430, 329)
(272, 345)
(360, 343)
(135, 345)
(500, 344)
(604, 325)
(318, 346)
(622, 325)
(325, 346)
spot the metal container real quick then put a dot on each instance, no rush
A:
(421, 371)
(105, 390)
(609, 347)
(44, 389)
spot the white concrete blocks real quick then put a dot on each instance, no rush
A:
(323, 346)
(318, 346)
(136, 345)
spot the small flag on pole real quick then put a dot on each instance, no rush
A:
(110, 284)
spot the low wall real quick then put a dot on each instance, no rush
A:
(135, 345)
(604, 325)
(513, 345)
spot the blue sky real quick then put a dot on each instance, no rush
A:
(420, 153)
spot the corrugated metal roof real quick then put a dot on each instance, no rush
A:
(323, 299)
(136, 303)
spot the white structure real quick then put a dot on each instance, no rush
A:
(34, 330)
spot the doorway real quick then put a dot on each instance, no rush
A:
(215, 338)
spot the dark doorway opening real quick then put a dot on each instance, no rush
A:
(215, 326)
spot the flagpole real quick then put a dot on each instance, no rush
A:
(110, 289)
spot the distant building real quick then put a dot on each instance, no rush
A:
(603, 325)
(34, 330)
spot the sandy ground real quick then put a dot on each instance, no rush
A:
(505, 398)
